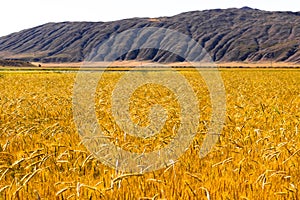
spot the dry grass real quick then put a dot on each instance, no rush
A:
(257, 157)
(266, 64)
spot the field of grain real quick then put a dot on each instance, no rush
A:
(257, 156)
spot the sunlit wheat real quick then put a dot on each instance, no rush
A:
(257, 156)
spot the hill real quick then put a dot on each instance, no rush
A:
(15, 63)
(228, 35)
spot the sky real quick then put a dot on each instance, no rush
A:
(17, 15)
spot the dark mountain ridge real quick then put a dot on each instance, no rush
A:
(227, 35)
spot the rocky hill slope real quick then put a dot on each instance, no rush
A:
(228, 35)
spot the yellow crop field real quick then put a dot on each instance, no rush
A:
(42, 155)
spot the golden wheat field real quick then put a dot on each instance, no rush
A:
(256, 157)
